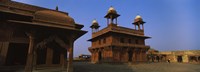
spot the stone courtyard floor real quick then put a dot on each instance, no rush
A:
(145, 67)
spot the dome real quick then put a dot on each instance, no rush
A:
(94, 22)
(51, 16)
(138, 18)
(112, 10)
(112, 13)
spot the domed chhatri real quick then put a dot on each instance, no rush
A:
(50, 16)
(138, 21)
(111, 14)
(95, 24)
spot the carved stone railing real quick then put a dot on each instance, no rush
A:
(120, 44)
(128, 30)
(101, 32)
(118, 29)
(131, 45)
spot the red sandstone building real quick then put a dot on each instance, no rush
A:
(32, 37)
(118, 44)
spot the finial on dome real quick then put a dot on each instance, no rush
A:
(112, 10)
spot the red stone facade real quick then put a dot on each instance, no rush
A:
(117, 44)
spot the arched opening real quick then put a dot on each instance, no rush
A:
(199, 58)
(158, 58)
(41, 56)
(17, 54)
(100, 56)
(56, 55)
(193, 59)
(130, 55)
(179, 59)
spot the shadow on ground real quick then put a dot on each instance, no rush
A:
(88, 67)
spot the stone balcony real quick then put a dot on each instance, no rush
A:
(120, 45)
(118, 29)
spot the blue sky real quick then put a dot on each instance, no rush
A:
(172, 24)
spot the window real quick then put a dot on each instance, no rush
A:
(129, 41)
(121, 40)
(104, 40)
(136, 41)
(99, 42)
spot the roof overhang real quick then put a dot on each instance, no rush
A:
(78, 32)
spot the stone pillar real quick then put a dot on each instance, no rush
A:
(142, 26)
(196, 58)
(1, 57)
(3, 52)
(29, 62)
(111, 19)
(138, 26)
(70, 62)
(107, 21)
(92, 56)
(49, 56)
(135, 26)
(34, 59)
(133, 58)
(141, 55)
(96, 56)
(62, 60)
(116, 20)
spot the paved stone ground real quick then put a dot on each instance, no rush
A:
(166, 67)
(145, 67)
(88, 67)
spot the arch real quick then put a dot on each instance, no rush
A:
(179, 59)
(41, 56)
(199, 59)
(130, 55)
(99, 55)
(17, 54)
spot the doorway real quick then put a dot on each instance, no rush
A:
(41, 56)
(199, 59)
(56, 55)
(17, 54)
(130, 55)
(100, 57)
(179, 59)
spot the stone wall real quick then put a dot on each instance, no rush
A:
(185, 55)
